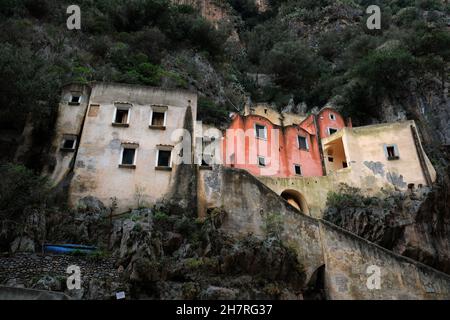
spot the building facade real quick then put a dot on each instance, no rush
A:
(120, 141)
(123, 143)
(268, 143)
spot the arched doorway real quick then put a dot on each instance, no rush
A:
(296, 199)
(315, 288)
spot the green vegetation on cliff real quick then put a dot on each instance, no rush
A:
(310, 51)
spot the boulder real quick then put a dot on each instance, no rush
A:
(48, 283)
(219, 293)
(172, 242)
(22, 244)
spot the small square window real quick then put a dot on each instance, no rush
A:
(164, 158)
(122, 116)
(128, 156)
(392, 152)
(158, 119)
(298, 169)
(75, 99)
(261, 161)
(69, 143)
(261, 132)
(302, 143)
(332, 131)
(330, 159)
(232, 160)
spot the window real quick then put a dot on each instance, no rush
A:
(122, 116)
(158, 117)
(261, 161)
(232, 160)
(208, 158)
(391, 152)
(332, 131)
(298, 169)
(75, 99)
(330, 159)
(344, 165)
(332, 116)
(69, 142)
(261, 131)
(164, 159)
(302, 143)
(128, 157)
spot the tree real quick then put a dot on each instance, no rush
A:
(294, 65)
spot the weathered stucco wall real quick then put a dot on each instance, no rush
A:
(345, 255)
(347, 258)
(70, 121)
(368, 168)
(247, 201)
(97, 170)
(364, 149)
(313, 189)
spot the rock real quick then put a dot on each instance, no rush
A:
(91, 204)
(169, 290)
(15, 283)
(172, 242)
(22, 244)
(219, 293)
(413, 224)
(75, 294)
(48, 283)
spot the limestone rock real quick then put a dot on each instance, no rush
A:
(22, 244)
(48, 283)
(219, 293)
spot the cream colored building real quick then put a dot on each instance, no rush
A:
(383, 155)
(122, 141)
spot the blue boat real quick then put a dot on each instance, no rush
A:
(69, 248)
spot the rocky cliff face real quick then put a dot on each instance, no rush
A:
(173, 257)
(215, 11)
(413, 224)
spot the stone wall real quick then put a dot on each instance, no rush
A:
(100, 279)
(313, 189)
(347, 258)
(345, 255)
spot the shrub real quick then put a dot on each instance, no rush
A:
(347, 196)
(294, 65)
(20, 191)
(386, 69)
(273, 225)
(37, 8)
(211, 113)
(161, 216)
